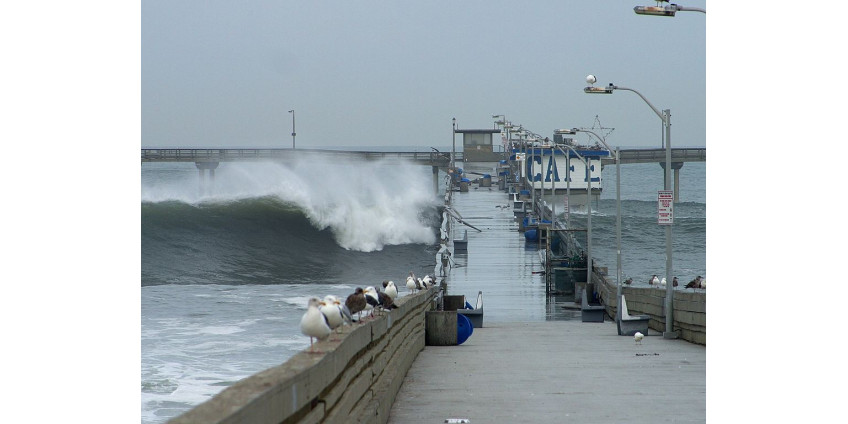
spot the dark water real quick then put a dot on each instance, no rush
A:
(258, 241)
(643, 250)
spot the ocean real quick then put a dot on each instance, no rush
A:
(226, 271)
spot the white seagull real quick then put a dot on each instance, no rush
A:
(314, 323)
(391, 290)
(336, 313)
(638, 337)
(663, 282)
(654, 280)
(410, 283)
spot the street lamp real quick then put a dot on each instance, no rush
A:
(293, 133)
(669, 10)
(617, 206)
(588, 201)
(453, 148)
(665, 116)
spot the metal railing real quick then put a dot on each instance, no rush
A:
(694, 154)
(225, 155)
(688, 154)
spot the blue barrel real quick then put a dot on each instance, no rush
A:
(531, 235)
(463, 328)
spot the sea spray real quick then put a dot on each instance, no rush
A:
(366, 205)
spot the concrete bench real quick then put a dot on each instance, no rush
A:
(590, 312)
(628, 324)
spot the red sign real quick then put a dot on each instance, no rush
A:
(665, 207)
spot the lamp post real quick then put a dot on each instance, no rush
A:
(617, 207)
(453, 148)
(588, 206)
(669, 10)
(665, 116)
(293, 133)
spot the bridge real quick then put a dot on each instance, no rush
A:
(433, 158)
(208, 159)
(205, 155)
(685, 154)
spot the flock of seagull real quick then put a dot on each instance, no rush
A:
(697, 283)
(323, 317)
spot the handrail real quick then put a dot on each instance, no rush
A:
(221, 155)
(690, 154)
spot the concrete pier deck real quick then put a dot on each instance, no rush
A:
(534, 360)
(555, 371)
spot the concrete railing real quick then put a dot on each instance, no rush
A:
(690, 308)
(354, 378)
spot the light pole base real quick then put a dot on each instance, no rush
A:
(670, 334)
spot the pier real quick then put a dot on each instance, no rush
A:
(555, 371)
(533, 360)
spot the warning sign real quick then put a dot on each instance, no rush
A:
(665, 207)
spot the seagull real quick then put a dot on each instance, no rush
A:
(697, 283)
(314, 324)
(390, 289)
(662, 282)
(378, 299)
(674, 282)
(638, 337)
(628, 281)
(356, 302)
(336, 313)
(654, 280)
(331, 310)
(410, 283)
(372, 297)
(428, 281)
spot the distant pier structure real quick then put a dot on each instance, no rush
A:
(207, 160)
(477, 147)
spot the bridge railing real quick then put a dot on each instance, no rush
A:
(221, 155)
(693, 154)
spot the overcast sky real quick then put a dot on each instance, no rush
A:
(389, 73)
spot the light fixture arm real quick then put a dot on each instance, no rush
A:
(657, 111)
(601, 139)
